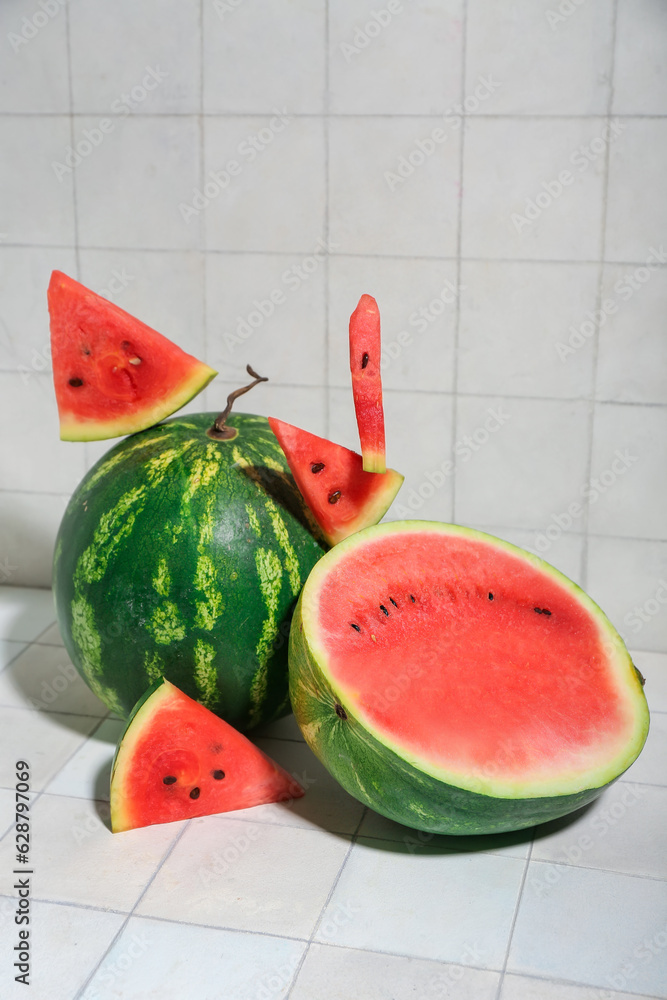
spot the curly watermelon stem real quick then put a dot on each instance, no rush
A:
(219, 430)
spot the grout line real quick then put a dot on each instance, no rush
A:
(122, 927)
(77, 906)
(402, 954)
(598, 302)
(459, 240)
(438, 393)
(427, 115)
(327, 223)
(514, 919)
(585, 262)
(70, 90)
(603, 993)
(54, 711)
(202, 235)
(604, 871)
(327, 944)
(218, 927)
(318, 921)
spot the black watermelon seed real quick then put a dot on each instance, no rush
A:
(194, 794)
(216, 747)
(393, 602)
(490, 596)
(169, 780)
(317, 466)
(364, 361)
(334, 497)
(545, 612)
(340, 712)
(76, 382)
(537, 611)
(218, 775)
(412, 598)
(355, 626)
(382, 608)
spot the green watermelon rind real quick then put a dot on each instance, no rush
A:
(133, 715)
(379, 774)
(115, 606)
(143, 417)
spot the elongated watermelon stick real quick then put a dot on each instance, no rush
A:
(367, 382)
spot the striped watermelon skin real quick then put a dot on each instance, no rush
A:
(375, 762)
(181, 556)
(381, 779)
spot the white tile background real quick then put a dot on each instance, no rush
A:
(414, 150)
(319, 899)
(549, 309)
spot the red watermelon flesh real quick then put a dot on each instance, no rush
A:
(480, 662)
(367, 382)
(113, 375)
(341, 496)
(177, 760)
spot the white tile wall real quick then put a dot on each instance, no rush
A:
(411, 134)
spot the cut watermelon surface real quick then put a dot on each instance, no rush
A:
(341, 496)
(176, 760)
(458, 684)
(367, 382)
(113, 375)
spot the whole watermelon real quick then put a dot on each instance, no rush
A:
(182, 556)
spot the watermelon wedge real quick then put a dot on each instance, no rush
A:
(176, 760)
(113, 375)
(341, 496)
(367, 382)
(458, 684)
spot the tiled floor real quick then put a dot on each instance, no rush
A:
(321, 900)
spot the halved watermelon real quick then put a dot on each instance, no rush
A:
(367, 382)
(458, 684)
(113, 375)
(176, 760)
(341, 496)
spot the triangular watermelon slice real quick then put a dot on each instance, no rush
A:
(367, 382)
(176, 760)
(341, 496)
(113, 375)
